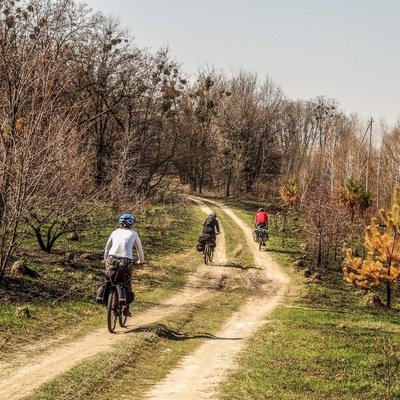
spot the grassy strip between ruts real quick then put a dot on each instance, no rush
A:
(143, 358)
(235, 242)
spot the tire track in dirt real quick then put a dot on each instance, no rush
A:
(198, 375)
(25, 375)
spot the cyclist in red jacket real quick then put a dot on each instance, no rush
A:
(261, 219)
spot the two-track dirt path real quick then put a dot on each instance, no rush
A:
(199, 373)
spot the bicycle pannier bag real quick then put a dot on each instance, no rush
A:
(255, 235)
(125, 295)
(130, 296)
(102, 293)
(201, 241)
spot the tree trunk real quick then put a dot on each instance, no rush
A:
(388, 295)
(319, 258)
(228, 183)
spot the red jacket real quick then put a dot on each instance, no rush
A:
(262, 218)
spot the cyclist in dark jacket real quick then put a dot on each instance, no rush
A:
(211, 226)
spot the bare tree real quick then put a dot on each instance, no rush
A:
(198, 151)
(249, 121)
(38, 124)
(146, 129)
(101, 60)
(389, 161)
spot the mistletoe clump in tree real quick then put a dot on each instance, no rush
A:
(382, 264)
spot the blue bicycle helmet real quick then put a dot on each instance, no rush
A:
(126, 219)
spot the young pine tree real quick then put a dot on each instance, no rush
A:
(290, 193)
(354, 197)
(382, 264)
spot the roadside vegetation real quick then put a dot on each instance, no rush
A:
(334, 341)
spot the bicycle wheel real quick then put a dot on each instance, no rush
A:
(112, 310)
(205, 253)
(122, 318)
(260, 241)
(211, 253)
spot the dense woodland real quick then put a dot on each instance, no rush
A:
(88, 117)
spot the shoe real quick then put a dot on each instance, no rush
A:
(127, 312)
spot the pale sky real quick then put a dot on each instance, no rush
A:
(347, 50)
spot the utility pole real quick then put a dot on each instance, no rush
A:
(369, 127)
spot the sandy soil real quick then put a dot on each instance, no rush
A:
(199, 373)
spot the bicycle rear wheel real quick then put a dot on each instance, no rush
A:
(113, 310)
(260, 241)
(206, 253)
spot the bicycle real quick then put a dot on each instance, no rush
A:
(262, 236)
(115, 306)
(116, 297)
(208, 248)
(208, 251)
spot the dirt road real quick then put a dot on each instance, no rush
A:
(199, 373)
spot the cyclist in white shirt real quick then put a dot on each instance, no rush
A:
(119, 250)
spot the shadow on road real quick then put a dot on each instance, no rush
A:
(163, 331)
(232, 265)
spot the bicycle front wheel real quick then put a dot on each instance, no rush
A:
(112, 310)
(210, 253)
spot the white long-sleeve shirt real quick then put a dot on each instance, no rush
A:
(121, 243)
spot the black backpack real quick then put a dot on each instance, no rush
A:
(208, 226)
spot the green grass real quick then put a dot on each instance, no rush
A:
(312, 354)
